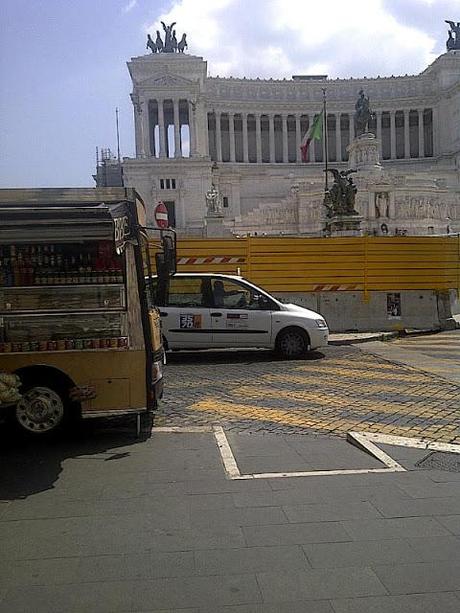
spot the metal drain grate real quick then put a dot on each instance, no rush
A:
(441, 461)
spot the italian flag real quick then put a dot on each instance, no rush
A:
(314, 133)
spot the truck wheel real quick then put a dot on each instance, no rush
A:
(292, 343)
(41, 409)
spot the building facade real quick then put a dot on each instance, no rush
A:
(244, 136)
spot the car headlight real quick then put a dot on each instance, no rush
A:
(321, 323)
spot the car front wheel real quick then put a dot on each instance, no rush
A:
(292, 343)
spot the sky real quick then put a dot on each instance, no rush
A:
(63, 63)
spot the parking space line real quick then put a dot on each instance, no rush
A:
(404, 441)
(233, 472)
(230, 465)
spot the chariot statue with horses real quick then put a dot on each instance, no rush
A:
(170, 43)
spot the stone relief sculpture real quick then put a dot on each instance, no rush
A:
(453, 40)
(340, 199)
(170, 44)
(363, 114)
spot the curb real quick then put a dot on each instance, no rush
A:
(365, 338)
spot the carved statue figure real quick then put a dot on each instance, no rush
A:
(350, 197)
(182, 44)
(363, 114)
(213, 202)
(340, 199)
(453, 41)
(159, 42)
(151, 44)
(174, 41)
(168, 48)
(381, 203)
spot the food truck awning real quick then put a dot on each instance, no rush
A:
(71, 222)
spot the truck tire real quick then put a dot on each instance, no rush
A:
(42, 408)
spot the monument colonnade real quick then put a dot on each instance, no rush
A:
(159, 127)
(273, 137)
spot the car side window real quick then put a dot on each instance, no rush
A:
(186, 292)
(229, 295)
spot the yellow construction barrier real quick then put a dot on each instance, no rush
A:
(367, 263)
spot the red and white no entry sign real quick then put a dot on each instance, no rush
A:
(161, 215)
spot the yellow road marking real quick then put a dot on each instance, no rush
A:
(332, 424)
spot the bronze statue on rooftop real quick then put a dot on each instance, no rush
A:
(170, 44)
(453, 41)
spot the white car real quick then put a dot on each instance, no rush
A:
(206, 311)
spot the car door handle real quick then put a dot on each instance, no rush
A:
(163, 314)
(216, 314)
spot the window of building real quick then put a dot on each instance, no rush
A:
(225, 202)
(167, 183)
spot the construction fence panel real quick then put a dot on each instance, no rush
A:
(303, 264)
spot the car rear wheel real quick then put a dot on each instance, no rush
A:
(292, 343)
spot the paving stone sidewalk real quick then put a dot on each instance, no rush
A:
(105, 523)
(333, 392)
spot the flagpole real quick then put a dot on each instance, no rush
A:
(325, 143)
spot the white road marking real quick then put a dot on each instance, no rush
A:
(230, 465)
(364, 440)
(404, 441)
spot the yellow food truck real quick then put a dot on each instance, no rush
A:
(79, 332)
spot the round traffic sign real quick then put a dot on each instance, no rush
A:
(161, 215)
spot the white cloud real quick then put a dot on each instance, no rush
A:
(128, 7)
(278, 38)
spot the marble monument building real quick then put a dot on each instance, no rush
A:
(239, 140)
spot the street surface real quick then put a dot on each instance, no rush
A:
(341, 389)
(103, 522)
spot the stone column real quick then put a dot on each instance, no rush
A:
(177, 143)
(258, 138)
(218, 136)
(161, 128)
(298, 139)
(145, 123)
(271, 139)
(421, 135)
(231, 133)
(312, 147)
(351, 127)
(244, 119)
(393, 134)
(285, 139)
(338, 138)
(378, 121)
(435, 117)
(406, 134)
(139, 110)
(191, 125)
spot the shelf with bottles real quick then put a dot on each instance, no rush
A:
(58, 328)
(115, 343)
(56, 264)
(64, 298)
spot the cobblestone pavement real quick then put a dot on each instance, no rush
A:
(340, 390)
